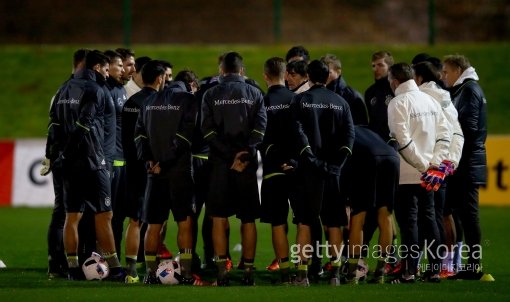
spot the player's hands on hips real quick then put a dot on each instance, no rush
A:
(240, 163)
(46, 167)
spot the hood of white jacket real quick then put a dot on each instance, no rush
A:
(407, 86)
(439, 94)
(469, 73)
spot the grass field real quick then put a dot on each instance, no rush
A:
(23, 250)
(31, 74)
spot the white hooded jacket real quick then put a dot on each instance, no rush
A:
(457, 137)
(417, 122)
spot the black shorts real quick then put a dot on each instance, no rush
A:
(309, 192)
(277, 193)
(136, 177)
(374, 183)
(118, 189)
(90, 188)
(171, 191)
(233, 193)
(333, 212)
(201, 177)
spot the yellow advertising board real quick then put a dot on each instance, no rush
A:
(497, 191)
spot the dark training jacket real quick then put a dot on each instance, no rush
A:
(355, 100)
(165, 127)
(377, 98)
(233, 118)
(76, 129)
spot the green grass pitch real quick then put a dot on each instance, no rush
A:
(23, 250)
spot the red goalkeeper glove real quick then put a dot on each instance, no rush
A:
(432, 179)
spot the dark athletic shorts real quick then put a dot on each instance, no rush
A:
(309, 192)
(170, 191)
(136, 177)
(277, 193)
(233, 193)
(90, 188)
(333, 212)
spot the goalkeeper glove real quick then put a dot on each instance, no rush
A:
(447, 167)
(432, 179)
(46, 167)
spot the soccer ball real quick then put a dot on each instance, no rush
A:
(95, 267)
(168, 272)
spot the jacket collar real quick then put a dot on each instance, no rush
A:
(232, 77)
(407, 86)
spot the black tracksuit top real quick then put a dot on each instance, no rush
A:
(165, 127)
(233, 118)
(377, 98)
(76, 129)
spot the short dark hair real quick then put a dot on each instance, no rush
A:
(274, 68)
(151, 70)
(139, 62)
(298, 67)
(457, 60)
(318, 72)
(187, 76)
(166, 64)
(232, 62)
(125, 52)
(421, 57)
(427, 71)
(112, 54)
(298, 51)
(402, 72)
(95, 57)
(79, 56)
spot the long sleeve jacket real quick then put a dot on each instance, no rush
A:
(417, 122)
(233, 118)
(76, 128)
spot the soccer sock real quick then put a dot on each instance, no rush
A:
(448, 262)
(248, 268)
(151, 262)
(353, 264)
(381, 263)
(186, 259)
(457, 257)
(72, 260)
(113, 262)
(302, 272)
(336, 264)
(284, 268)
(220, 264)
(131, 265)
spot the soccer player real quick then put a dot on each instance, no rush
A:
(416, 121)
(233, 124)
(278, 156)
(115, 83)
(463, 186)
(136, 174)
(75, 138)
(371, 184)
(57, 263)
(163, 138)
(325, 138)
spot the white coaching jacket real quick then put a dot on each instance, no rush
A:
(417, 122)
(450, 112)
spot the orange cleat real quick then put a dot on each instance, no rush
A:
(274, 266)
(228, 264)
(164, 252)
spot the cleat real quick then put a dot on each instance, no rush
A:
(404, 280)
(118, 277)
(274, 266)
(247, 281)
(164, 252)
(130, 279)
(229, 265)
(380, 279)
(335, 281)
(353, 280)
(221, 282)
(195, 280)
(446, 274)
(303, 282)
(431, 278)
(75, 274)
(151, 278)
(328, 267)
(467, 275)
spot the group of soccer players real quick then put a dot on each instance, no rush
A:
(340, 161)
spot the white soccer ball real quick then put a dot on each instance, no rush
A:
(168, 272)
(95, 267)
